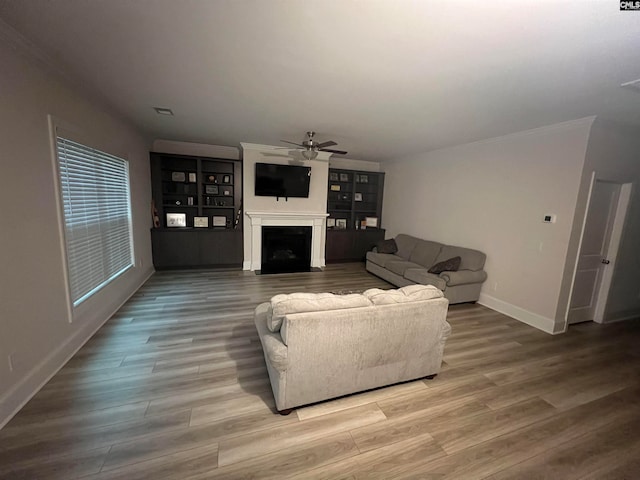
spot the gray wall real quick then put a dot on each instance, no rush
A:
(492, 196)
(35, 325)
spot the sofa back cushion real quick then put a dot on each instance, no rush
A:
(410, 293)
(470, 259)
(406, 244)
(282, 305)
(425, 253)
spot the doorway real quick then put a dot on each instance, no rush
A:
(604, 222)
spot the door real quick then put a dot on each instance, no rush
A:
(593, 260)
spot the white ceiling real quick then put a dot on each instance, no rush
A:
(383, 78)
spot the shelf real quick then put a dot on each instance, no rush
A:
(351, 244)
(191, 246)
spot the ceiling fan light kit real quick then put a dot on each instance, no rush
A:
(310, 154)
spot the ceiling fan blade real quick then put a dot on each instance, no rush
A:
(339, 152)
(296, 144)
(330, 143)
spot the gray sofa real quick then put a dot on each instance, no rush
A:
(322, 346)
(410, 265)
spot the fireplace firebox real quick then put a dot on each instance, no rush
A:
(286, 249)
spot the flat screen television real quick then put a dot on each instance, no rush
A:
(282, 180)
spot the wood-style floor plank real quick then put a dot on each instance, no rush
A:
(174, 387)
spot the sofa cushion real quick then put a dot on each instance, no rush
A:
(382, 258)
(282, 305)
(425, 253)
(387, 246)
(423, 277)
(406, 244)
(399, 266)
(449, 265)
(470, 259)
(410, 293)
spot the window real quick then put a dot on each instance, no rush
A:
(97, 216)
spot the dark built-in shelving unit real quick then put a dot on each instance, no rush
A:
(352, 196)
(197, 187)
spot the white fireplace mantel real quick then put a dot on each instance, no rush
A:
(316, 220)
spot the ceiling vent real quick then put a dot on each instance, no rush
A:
(163, 111)
(632, 85)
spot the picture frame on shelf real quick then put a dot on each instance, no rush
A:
(211, 189)
(219, 221)
(226, 191)
(178, 176)
(333, 177)
(357, 196)
(176, 220)
(341, 223)
(226, 179)
(363, 224)
(371, 222)
(344, 177)
(201, 222)
(335, 188)
(331, 222)
(192, 177)
(364, 178)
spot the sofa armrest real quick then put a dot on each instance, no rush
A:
(276, 351)
(463, 277)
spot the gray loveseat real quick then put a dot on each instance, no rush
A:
(321, 346)
(410, 265)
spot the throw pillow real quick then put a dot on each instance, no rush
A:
(449, 265)
(387, 246)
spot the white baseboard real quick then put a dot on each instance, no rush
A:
(16, 398)
(547, 325)
(246, 265)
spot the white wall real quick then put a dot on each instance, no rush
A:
(492, 196)
(195, 149)
(316, 203)
(353, 164)
(34, 322)
(613, 153)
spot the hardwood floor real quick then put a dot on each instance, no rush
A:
(174, 386)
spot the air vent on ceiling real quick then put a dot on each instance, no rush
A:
(632, 85)
(163, 111)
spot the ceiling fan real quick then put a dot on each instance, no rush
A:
(310, 147)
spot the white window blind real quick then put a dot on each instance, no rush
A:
(97, 216)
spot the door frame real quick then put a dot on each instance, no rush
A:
(617, 229)
(619, 218)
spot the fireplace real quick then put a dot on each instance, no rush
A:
(286, 249)
(260, 220)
